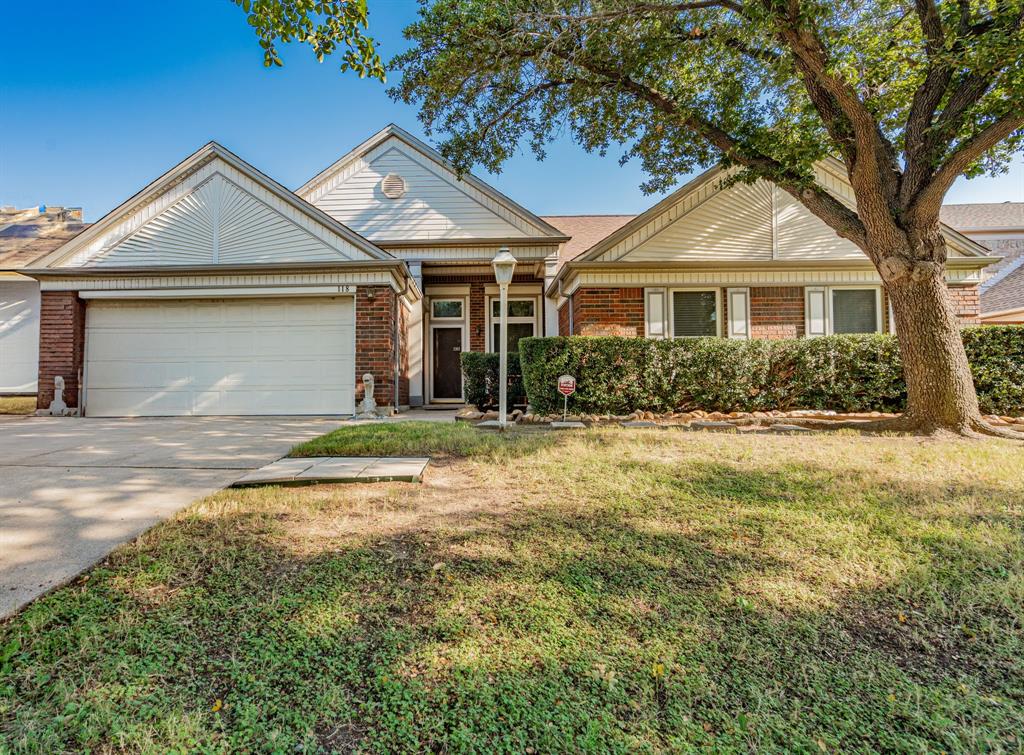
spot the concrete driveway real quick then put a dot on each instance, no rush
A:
(73, 489)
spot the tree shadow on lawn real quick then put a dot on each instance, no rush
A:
(688, 616)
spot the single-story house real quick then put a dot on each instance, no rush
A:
(215, 290)
(998, 226)
(25, 235)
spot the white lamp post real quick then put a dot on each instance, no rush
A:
(504, 265)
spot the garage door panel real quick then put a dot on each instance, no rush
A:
(251, 356)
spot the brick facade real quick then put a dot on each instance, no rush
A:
(776, 312)
(608, 311)
(563, 318)
(377, 309)
(966, 304)
(477, 300)
(61, 345)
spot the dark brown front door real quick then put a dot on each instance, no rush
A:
(447, 369)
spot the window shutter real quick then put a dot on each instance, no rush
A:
(694, 313)
(854, 310)
(739, 312)
(815, 311)
(654, 312)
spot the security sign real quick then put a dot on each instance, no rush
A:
(567, 385)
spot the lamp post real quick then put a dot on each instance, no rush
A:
(504, 265)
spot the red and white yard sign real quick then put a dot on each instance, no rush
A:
(567, 385)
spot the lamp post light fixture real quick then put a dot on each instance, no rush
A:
(504, 265)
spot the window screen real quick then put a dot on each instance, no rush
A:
(854, 310)
(694, 313)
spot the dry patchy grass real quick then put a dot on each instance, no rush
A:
(604, 591)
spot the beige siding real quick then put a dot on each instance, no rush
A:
(801, 235)
(734, 224)
(436, 205)
(216, 215)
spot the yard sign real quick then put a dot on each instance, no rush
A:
(567, 387)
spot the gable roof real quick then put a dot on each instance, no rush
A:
(709, 184)
(126, 223)
(984, 216)
(520, 219)
(1005, 295)
(584, 231)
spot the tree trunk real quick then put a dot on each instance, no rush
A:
(940, 389)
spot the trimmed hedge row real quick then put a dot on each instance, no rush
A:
(480, 379)
(843, 373)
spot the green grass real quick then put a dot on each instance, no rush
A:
(17, 404)
(414, 438)
(612, 591)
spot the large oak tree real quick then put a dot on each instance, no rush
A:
(909, 94)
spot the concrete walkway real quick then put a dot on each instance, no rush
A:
(326, 469)
(71, 490)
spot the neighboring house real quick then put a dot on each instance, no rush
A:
(738, 261)
(999, 226)
(215, 290)
(25, 235)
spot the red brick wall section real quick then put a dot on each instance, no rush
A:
(777, 312)
(608, 311)
(376, 310)
(477, 317)
(563, 318)
(61, 345)
(966, 304)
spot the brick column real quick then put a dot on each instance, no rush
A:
(477, 316)
(61, 345)
(966, 304)
(377, 310)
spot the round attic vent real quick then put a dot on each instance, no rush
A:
(393, 186)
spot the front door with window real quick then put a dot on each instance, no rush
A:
(446, 348)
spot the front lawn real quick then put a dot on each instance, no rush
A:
(608, 590)
(17, 404)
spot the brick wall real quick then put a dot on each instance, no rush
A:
(61, 345)
(563, 318)
(376, 310)
(966, 304)
(608, 311)
(776, 312)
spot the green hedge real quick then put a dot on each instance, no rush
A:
(480, 379)
(843, 373)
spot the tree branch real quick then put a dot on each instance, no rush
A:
(929, 199)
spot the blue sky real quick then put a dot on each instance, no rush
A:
(97, 99)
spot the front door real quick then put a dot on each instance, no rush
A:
(447, 347)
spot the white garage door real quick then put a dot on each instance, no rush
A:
(220, 356)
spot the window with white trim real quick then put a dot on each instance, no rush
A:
(522, 321)
(695, 313)
(843, 309)
(446, 309)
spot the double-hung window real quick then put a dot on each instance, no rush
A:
(843, 309)
(695, 313)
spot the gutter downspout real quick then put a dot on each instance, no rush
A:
(397, 335)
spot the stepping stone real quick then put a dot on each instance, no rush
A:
(327, 469)
(567, 426)
(282, 469)
(638, 423)
(393, 468)
(720, 427)
(788, 429)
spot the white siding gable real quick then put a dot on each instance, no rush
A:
(436, 204)
(734, 224)
(756, 222)
(216, 215)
